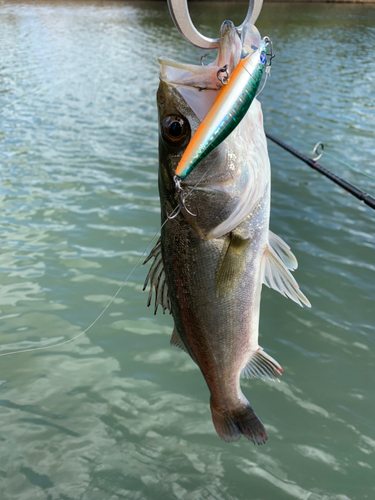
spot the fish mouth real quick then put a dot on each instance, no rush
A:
(226, 26)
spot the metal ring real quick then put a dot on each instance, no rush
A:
(320, 152)
(180, 14)
(224, 69)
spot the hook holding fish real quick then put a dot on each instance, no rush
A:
(181, 200)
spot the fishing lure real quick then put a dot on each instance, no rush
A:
(230, 106)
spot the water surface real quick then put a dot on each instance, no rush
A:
(119, 414)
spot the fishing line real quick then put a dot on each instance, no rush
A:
(264, 84)
(100, 315)
(265, 81)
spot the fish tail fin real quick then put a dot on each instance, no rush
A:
(230, 425)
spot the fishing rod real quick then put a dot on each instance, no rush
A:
(358, 193)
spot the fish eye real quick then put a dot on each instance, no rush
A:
(175, 130)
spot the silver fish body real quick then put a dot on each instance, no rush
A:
(209, 269)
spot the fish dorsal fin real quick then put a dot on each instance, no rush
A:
(176, 340)
(156, 276)
(283, 251)
(276, 275)
(263, 366)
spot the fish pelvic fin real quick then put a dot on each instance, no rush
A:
(276, 275)
(176, 340)
(242, 421)
(156, 277)
(263, 366)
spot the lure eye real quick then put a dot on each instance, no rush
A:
(175, 130)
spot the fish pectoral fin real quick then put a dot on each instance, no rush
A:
(283, 251)
(263, 366)
(276, 275)
(232, 265)
(176, 340)
(156, 277)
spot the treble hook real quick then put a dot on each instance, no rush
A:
(272, 55)
(202, 57)
(181, 199)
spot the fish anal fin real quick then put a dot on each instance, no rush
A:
(156, 277)
(232, 265)
(263, 366)
(277, 276)
(176, 340)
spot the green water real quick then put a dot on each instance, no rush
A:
(119, 414)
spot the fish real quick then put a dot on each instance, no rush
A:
(211, 260)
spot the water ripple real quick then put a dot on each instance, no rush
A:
(119, 413)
